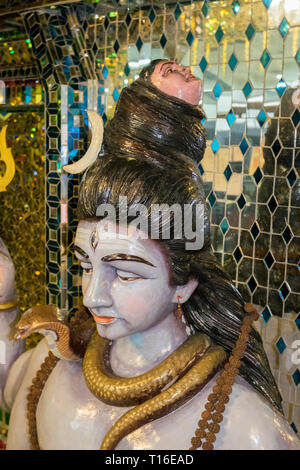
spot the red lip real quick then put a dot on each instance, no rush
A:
(103, 320)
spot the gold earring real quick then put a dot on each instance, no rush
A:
(178, 311)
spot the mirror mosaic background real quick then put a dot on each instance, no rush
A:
(247, 53)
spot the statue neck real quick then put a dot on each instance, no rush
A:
(133, 355)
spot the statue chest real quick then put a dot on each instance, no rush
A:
(70, 417)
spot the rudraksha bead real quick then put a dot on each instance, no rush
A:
(207, 446)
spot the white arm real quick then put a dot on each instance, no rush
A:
(10, 349)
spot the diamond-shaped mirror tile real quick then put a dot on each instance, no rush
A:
(296, 377)
(281, 87)
(292, 177)
(205, 9)
(152, 15)
(139, 43)
(163, 40)
(232, 62)
(106, 22)
(128, 19)
(265, 58)
(105, 71)
(250, 31)
(219, 34)
(190, 38)
(276, 147)
(257, 175)
(284, 27)
(237, 254)
(212, 199)
(241, 201)
(217, 90)
(267, 3)
(203, 64)
(244, 146)
(272, 204)
(262, 117)
(297, 56)
(228, 172)
(115, 95)
(224, 225)
(252, 284)
(127, 70)
(247, 89)
(296, 117)
(284, 290)
(236, 6)
(287, 234)
(266, 314)
(280, 345)
(230, 118)
(177, 12)
(254, 230)
(269, 260)
(116, 46)
(215, 145)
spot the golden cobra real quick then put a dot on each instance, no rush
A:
(157, 392)
(153, 394)
(45, 320)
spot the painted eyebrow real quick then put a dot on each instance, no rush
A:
(125, 257)
(81, 251)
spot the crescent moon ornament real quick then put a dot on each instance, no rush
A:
(91, 155)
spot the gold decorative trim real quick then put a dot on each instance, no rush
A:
(8, 305)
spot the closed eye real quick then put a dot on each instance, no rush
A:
(128, 277)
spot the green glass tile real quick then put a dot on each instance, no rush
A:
(236, 6)
(247, 89)
(250, 31)
(284, 27)
(262, 117)
(297, 56)
(177, 12)
(232, 62)
(152, 15)
(190, 38)
(163, 40)
(265, 58)
(205, 9)
(267, 3)
(203, 64)
(219, 34)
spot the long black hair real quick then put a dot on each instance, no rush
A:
(151, 162)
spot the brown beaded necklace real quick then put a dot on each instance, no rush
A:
(209, 425)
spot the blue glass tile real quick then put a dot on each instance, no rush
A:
(232, 62)
(296, 377)
(106, 22)
(266, 314)
(224, 226)
(163, 40)
(280, 345)
(241, 201)
(201, 169)
(265, 58)
(203, 64)
(297, 56)
(250, 31)
(152, 15)
(230, 118)
(287, 235)
(254, 230)
(276, 147)
(262, 117)
(281, 87)
(272, 204)
(190, 38)
(267, 3)
(139, 44)
(127, 70)
(128, 19)
(296, 117)
(257, 175)
(105, 71)
(205, 9)
(269, 260)
(244, 146)
(228, 172)
(116, 46)
(212, 199)
(215, 145)
(284, 27)
(219, 34)
(252, 284)
(236, 6)
(217, 90)
(297, 321)
(177, 12)
(203, 121)
(294, 427)
(115, 95)
(104, 117)
(284, 291)
(247, 89)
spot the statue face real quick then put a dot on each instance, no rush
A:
(125, 281)
(177, 80)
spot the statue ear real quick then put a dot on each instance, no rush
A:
(185, 292)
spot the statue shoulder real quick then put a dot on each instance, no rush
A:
(251, 423)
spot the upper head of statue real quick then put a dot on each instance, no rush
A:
(174, 79)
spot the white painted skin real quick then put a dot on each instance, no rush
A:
(70, 417)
